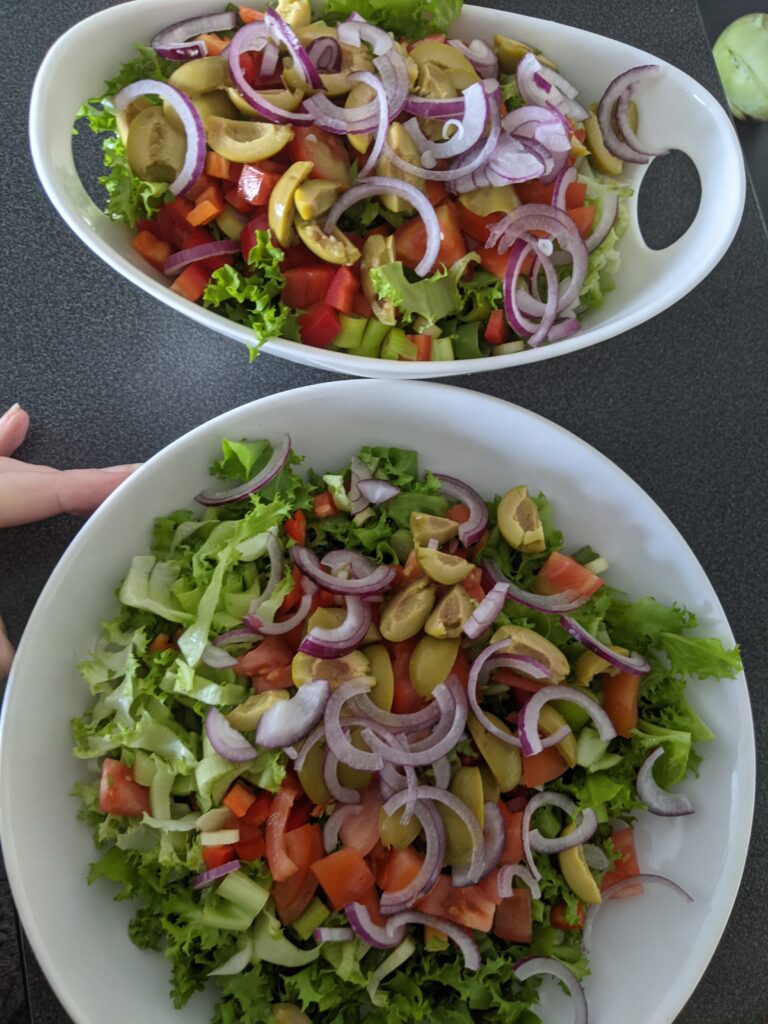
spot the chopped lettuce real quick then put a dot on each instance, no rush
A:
(604, 261)
(412, 19)
(432, 298)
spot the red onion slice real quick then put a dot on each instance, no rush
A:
(519, 253)
(534, 965)
(291, 720)
(336, 739)
(442, 771)
(355, 562)
(565, 178)
(542, 85)
(336, 642)
(486, 612)
(509, 872)
(494, 838)
(468, 132)
(373, 935)
(524, 665)
(460, 809)
(366, 586)
(616, 888)
(528, 723)
(285, 625)
(434, 856)
(634, 663)
(393, 72)
(460, 936)
(377, 185)
(247, 38)
(342, 794)
(280, 453)
(564, 803)
(423, 106)
(356, 28)
(357, 471)
(332, 934)
(343, 120)
(334, 822)
(480, 56)
(564, 329)
(214, 874)
(226, 741)
(514, 162)
(325, 53)
(282, 32)
(656, 799)
(629, 147)
(194, 159)
(179, 260)
(176, 41)
(377, 491)
(604, 222)
(565, 601)
(235, 636)
(583, 832)
(471, 531)
(400, 723)
(429, 750)
(314, 737)
(366, 78)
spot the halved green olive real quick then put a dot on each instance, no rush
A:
(288, 1013)
(442, 567)
(208, 104)
(511, 51)
(431, 662)
(550, 721)
(602, 159)
(426, 528)
(246, 141)
(576, 871)
(203, 74)
(155, 149)
(406, 612)
(532, 645)
(467, 785)
(359, 95)
(383, 692)
(286, 99)
(502, 758)
(124, 117)
(490, 199)
(519, 521)
(589, 665)
(354, 665)
(311, 775)
(377, 252)
(403, 145)
(315, 197)
(491, 787)
(393, 832)
(353, 777)
(442, 54)
(452, 611)
(316, 30)
(330, 618)
(246, 716)
(282, 201)
(297, 13)
(334, 248)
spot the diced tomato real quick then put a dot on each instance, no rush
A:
(306, 286)
(234, 199)
(153, 249)
(217, 166)
(561, 572)
(513, 920)
(497, 330)
(319, 325)
(291, 600)
(411, 238)
(513, 835)
(214, 43)
(473, 584)
(343, 288)
(160, 643)
(627, 867)
(164, 226)
(292, 896)
(326, 152)
(405, 698)
(543, 767)
(239, 798)
(412, 570)
(258, 812)
(279, 678)
(248, 14)
(272, 652)
(558, 919)
(344, 876)
(492, 261)
(466, 905)
(296, 527)
(177, 210)
(361, 830)
(537, 192)
(423, 343)
(192, 282)
(280, 863)
(476, 226)
(197, 188)
(119, 793)
(251, 845)
(583, 217)
(304, 845)
(490, 886)
(300, 256)
(248, 234)
(300, 814)
(215, 856)
(324, 507)
(256, 184)
(399, 869)
(436, 192)
(370, 900)
(620, 701)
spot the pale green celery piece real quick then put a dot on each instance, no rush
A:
(144, 768)
(589, 747)
(160, 791)
(335, 484)
(271, 945)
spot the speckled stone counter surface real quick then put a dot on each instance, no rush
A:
(110, 376)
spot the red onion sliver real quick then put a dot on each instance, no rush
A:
(377, 491)
(343, 794)
(333, 934)
(531, 966)
(486, 612)
(334, 822)
(235, 636)
(616, 888)
(460, 936)
(179, 260)
(509, 872)
(656, 799)
(356, 28)
(565, 601)
(629, 147)
(469, 129)
(335, 736)
(540, 800)
(434, 857)
(528, 723)
(248, 38)
(276, 569)
(366, 586)
(226, 741)
(214, 874)
(282, 32)
(583, 832)
(400, 723)
(291, 720)
(429, 750)
(565, 178)
(176, 41)
(494, 838)
(372, 934)
(280, 453)
(366, 78)
(524, 666)
(314, 737)
(325, 53)
(480, 56)
(214, 657)
(339, 640)
(470, 531)
(634, 663)
(605, 221)
(356, 562)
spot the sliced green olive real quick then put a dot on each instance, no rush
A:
(599, 155)
(359, 95)
(315, 197)
(431, 662)
(452, 611)
(502, 758)
(203, 74)
(589, 665)
(288, 1013)
(383, 692)
(442, 567)
(576, 871)
(334, 248)
(354, 665)
(282, 201)
(511, 51)
(550, 721)
(208, 104)
(315, 30)
(519, 521)
(124, 117)
(353, 777)
(311, 775)
(297, 13)
(353, 58)
(490, 199)
(441, 54)
(155, 149)
(467, 785)
(532, 645)
(330, 618)
(406, 612)
(377, 252)
(246, 716)
(393, 833)
(426, 528)
(403, 145)
(491, 787)
(286, 99)
(246, 141)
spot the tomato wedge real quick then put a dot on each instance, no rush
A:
(513, 920)
(280, 862)
(467, 905)
(119, 793)
(561, 572)
(344, 876)
(626, 867)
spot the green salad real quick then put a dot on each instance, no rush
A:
(364, 181)
(367, 747)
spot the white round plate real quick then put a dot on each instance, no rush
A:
(676, 112)
(648, 952)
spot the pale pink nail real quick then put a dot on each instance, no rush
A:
(129, 468)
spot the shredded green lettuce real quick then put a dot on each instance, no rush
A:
(432, 298)
(604, 262)
(411, 19)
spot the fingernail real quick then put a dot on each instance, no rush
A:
(9, 413)
(129, 468)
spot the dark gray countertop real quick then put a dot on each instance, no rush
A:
(110, 376)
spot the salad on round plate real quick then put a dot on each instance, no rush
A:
(366, 746)
(367, 182)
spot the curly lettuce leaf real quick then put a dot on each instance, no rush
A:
(604, 262)
(432, 298)
(412, 19)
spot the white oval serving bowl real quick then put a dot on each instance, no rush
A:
(79, 934)
(676, 112)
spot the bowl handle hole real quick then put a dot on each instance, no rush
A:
(89, 163)
(669, 197)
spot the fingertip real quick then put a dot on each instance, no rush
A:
(14, 424)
